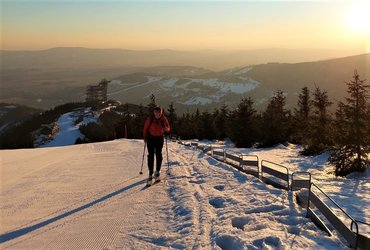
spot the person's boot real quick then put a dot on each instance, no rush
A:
(157, 176)
(150, 181)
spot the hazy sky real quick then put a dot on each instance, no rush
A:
(185, 25)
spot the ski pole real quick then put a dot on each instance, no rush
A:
(142, 162)
(168, 162)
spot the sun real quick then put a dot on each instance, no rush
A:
(358, 18)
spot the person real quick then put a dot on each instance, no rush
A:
(154, 129)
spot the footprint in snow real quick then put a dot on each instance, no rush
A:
(247, 224)
(266, 209)
(227, 242)
(197, 181)
(270, 242)
(239, 222)
(217, 202)
(219, 187)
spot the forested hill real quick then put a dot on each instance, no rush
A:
(45, 79)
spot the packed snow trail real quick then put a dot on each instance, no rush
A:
(91, 196)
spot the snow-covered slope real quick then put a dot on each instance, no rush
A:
(68, 126)
(69, 129)
(203, 90)
(91, 196)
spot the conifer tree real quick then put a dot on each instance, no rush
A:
(205, 131)
(220, 122)
(172, 118)
(152, 104)
(242, 124)
(301, 118)
(196, 124)
(275, 121)
(185, 130)
(320, 136)
(352, 136)
(139, 121)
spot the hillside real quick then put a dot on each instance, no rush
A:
(330, 75)
(70, 123)
(44, 79)
(92, 196)
(12, 114)
(213, 89)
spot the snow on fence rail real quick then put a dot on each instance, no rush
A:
(299, 182)
(329, 214)
(278, 176)
(249, 165)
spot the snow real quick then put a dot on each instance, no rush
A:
(115, 82)
(3, 127)
(192, 91)
(198, 101)
(243, 71)
(10, 107)
(168, 84)
(69, 131)
(205, 91)
(150, 80)
(237, 88)
(91, 196)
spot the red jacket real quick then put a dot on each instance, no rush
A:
(156, 127)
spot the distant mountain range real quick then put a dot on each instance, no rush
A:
(212, 89)
(44, 79)
(84, 58)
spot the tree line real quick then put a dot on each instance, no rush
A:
(344, 134)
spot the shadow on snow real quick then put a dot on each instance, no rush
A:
(20, 232)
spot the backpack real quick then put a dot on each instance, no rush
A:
(151, 122)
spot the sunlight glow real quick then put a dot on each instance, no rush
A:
(358, 18)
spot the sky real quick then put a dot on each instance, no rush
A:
(185, 25)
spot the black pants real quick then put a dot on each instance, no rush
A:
(155, 145)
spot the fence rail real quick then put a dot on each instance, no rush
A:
(300, 183)
(272, 168)
(249, 164)
(337, 223)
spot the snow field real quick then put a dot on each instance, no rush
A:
(91, 196)
(239, 211)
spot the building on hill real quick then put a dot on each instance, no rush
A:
(97, 92)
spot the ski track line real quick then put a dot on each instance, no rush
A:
(78, 203)
(202, 219)
(182, 216)
(215, 200)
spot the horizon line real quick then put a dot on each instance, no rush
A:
(182, 50)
